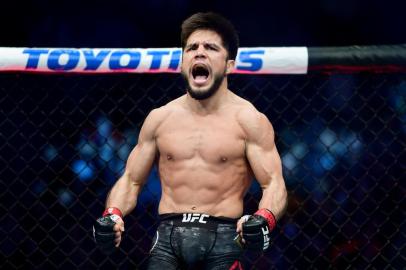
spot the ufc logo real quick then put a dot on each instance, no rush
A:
(265, 232)
(194, 217)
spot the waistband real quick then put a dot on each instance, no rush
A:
(196, 220)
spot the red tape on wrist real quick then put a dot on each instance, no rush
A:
(269, 216)
(112, 211)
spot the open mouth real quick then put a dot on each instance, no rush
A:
(200, 73)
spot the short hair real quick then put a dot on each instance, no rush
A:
(214, 22)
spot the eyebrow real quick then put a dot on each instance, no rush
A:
(204, 44)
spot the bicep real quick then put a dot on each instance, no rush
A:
(265, 163)
(262, 153)
(140, 161)
(142, 157)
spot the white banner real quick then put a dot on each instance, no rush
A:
(260, 60)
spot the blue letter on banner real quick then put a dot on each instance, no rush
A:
(245, 57)
(93, 62)
(54, 56)
(33, 57)
(175, 59)
(157, 58)
(135, 58)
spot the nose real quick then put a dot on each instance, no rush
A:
(200, 52)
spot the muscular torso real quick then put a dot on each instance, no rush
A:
(202, 162)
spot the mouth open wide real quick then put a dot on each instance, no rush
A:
(200, 74)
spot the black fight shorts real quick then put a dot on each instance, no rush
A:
(195, 241)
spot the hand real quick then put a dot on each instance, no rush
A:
(107, 232)
(254, 231)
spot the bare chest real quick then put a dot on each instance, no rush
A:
(214, 139)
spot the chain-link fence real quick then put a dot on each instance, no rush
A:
(342, 139)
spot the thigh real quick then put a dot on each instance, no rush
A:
(226, 253)
(161, 255)
(159, 262)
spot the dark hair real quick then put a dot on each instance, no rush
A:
(216, 23)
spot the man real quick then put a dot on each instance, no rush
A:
(208, 144)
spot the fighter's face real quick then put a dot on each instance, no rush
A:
(204, 63)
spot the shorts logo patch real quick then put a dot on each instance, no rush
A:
(195, 218)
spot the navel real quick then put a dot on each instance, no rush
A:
(169, 157)
(223, 159)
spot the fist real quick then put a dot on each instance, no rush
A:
(107, 232)
(254, 231)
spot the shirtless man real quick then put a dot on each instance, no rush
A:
(208, 144)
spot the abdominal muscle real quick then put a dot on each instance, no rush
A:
(198, 186)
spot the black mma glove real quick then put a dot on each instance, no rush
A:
(257, 229)
(103, 231)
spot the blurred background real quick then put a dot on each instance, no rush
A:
(155, 23)
(64, 139)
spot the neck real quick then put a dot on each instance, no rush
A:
(211, 104)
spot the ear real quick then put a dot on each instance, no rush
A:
(230, 66)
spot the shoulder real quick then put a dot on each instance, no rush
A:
(254, 123)
(162, 112)
(155, 119)
(158, 115)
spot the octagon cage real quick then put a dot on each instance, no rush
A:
(339, 116)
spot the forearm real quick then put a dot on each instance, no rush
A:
(274, 197)
(124, 195)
